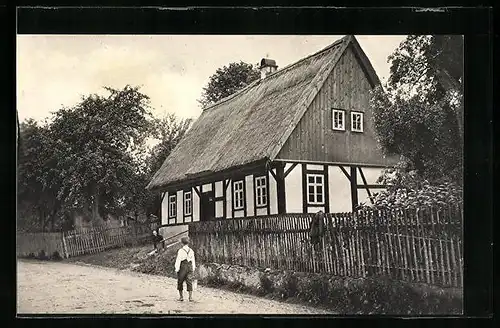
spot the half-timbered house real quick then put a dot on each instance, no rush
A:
(300, 139)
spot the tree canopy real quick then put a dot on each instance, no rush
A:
(227, 80)
(419, 115)
(92, 159)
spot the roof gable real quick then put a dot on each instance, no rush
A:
(253, 123)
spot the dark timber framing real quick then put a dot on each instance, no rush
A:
(197, 191)
(354, 189)
(280, 187)
(345, 172)
(305, 198)
(224, 193)
(327, 190)
(206, 178)
(282, 171)
(290, 169)
(201, 208)
(268, 193)
(366, 185)
(371, 186)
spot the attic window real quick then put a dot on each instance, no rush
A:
(357, 121)
(338, 120)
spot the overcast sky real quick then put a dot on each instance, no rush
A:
(56, 70)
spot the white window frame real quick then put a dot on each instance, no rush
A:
(353, 128)
(238, 195)
(172, 206)
(339, 127)
(188, 203)
(315, 193)
(261, 191)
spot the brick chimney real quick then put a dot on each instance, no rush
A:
(267, 66)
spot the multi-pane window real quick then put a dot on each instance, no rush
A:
(357, 121)
(238, 195)
(172, 206)
(261, 191)
(315, 189)
(188, 203)
(338, 118)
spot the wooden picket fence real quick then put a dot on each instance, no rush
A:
(423, 245)
(84, 241)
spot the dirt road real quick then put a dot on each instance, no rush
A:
(54, 287)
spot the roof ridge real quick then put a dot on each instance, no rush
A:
(278, 72)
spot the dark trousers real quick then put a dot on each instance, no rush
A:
(184, 274)
(158, 244)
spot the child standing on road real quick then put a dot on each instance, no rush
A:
(184, 266)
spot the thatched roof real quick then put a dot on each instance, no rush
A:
(254, 123)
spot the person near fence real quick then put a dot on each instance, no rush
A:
(317, 228)
(157, 240)
(184, 267)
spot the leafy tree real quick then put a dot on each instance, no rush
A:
(406, 189)
(169, 130)
(227, 80)
(419, 115)
(100, 137)
(38, 181)
(87, 158)
(92, 159)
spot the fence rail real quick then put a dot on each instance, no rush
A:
(84, 241)
(422, 245)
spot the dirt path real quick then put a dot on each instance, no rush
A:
(53, 287)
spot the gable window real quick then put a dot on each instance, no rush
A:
(188, 203)
(357, 121)
(172, 206)
(261, 191)
(338, 119)
(238, 195)
(315, 189)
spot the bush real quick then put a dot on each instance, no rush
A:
(291, 285)
(405, 189)
(42, 256)
(214, 281)
(56, 256)
(266, 285)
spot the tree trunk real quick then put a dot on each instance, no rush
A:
(96, 218)
(53, 222)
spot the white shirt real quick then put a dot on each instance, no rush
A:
(185, 253)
